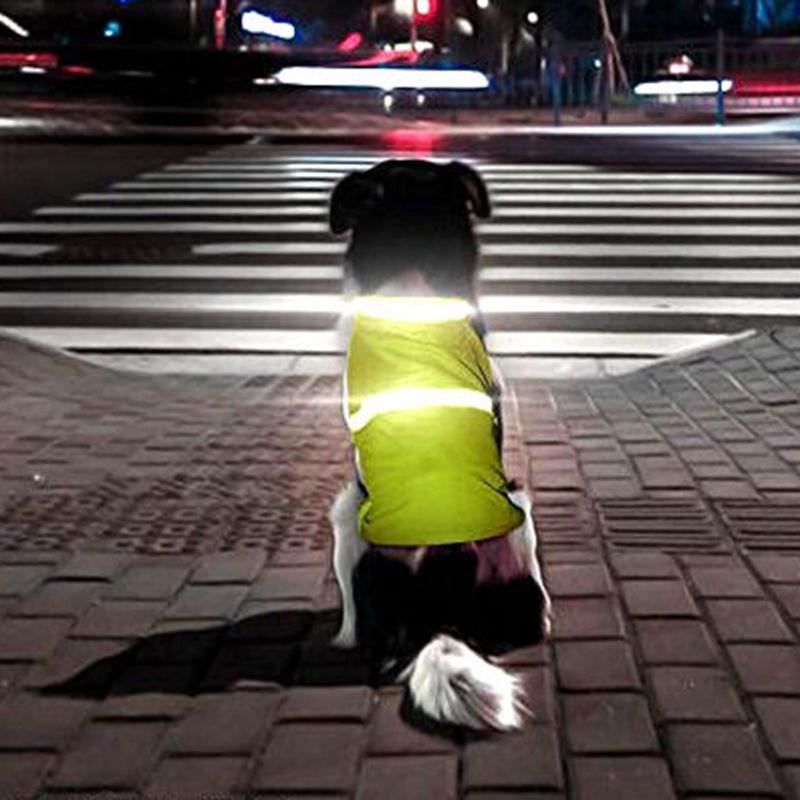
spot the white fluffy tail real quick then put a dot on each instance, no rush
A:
(452, 683)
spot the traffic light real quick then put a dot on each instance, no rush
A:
(420, 10)
(425, 10)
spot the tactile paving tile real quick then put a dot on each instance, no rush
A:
(762, 525)
(282, 510)
(563, 521)
(676, 525)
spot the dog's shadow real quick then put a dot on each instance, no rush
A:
(287, 648)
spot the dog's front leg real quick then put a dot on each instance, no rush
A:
(348, 548)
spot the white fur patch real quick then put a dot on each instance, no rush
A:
(450, 682)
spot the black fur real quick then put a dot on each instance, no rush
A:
(398, 612)
(407, 214)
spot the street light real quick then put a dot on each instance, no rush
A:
(482, 4)
(532, 17)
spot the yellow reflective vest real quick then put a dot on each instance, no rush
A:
(419, 407)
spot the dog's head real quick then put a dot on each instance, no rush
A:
(406, 214)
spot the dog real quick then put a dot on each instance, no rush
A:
(434, 550)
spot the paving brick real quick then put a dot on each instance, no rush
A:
(675, 641)
(224, 724)
(147, 705)
(18, 579)
(537, 655)
(273, 620)
(307, 757)
(720, 758)
(342, 703)
(577, 580)
(586, 618)
(93, 566)
(539, 688)
(118, 619)
(619, 778)
(748, 621)
(179, 641)
(609, 723)
(658, 598)
(135, 678)
(767, 668)
(149, 582)
(410, 777)
(726, 580)
(31, 639)
(109, 755)
(789, 597)
(196, 602)
(792, 776)
(281, 583)
(10, 675)
(31, 722)
(526, 760)
(192, 778)
(249, 663)
(728, 489)
(779, 716)
(781, 568)
(595, 666)
(501, 794)
(775, 481)
(93, 660)
(21, 774)
(695, 694)
(235, 567)
(644, 565)
(60, 599)
(389, 734)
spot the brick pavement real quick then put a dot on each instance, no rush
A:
(165, 599)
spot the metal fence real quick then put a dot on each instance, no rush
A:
(575, 75)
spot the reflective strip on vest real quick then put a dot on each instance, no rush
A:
(411, 399)
(413, 309)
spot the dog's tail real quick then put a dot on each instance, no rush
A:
(452, 683)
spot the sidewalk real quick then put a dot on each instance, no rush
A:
(164, 570)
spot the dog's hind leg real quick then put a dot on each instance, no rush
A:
(525, 538)
(348, 548)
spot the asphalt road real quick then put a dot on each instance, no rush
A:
(38, 173)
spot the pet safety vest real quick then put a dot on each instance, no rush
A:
(419, 408)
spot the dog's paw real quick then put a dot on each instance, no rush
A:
(344, 640)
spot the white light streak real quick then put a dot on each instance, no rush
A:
(385, 78)
(690, 87)
(13, 26)
(257, 23)
(412, 399)
(413, 309)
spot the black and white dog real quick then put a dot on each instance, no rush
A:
(432, 610)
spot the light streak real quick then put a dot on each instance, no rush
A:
(13, 26)
(413, 399)
(386, 79)
(690, 87)
(255, 22)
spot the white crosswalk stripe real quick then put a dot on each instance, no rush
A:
(578, 262)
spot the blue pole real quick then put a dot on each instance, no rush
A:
(720, 116)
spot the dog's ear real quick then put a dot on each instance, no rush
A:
(473, 187)
(354, 195)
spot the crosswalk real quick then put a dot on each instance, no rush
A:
(603, 267)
